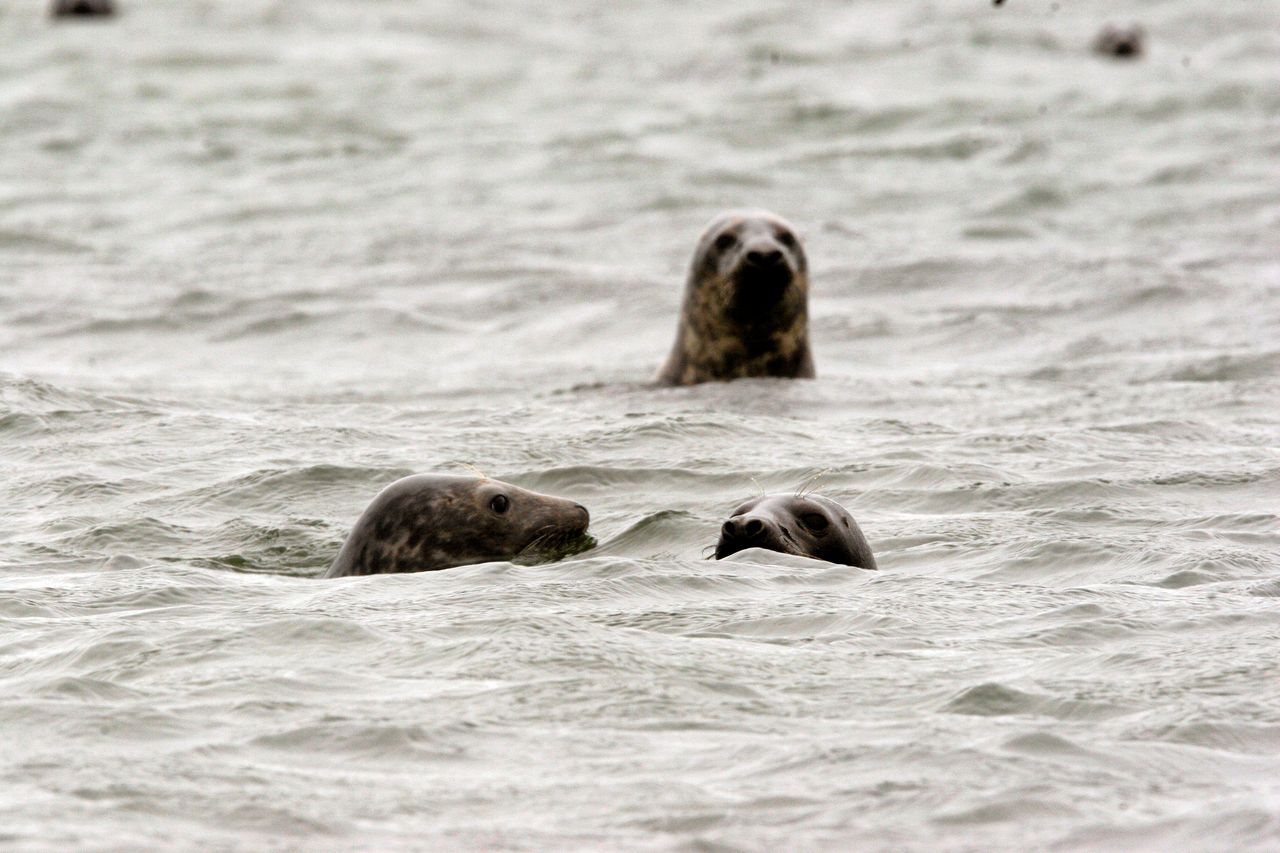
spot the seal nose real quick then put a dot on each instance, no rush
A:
(765, 258)
(745, 529)
(586, 516)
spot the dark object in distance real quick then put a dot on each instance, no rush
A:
(746, 304)
(1121, 42)
(83, 8)
(806, 525)
(438, 521)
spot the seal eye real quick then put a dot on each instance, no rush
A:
(787, 239)
(499, 504)
(725, 242)
(815, 522)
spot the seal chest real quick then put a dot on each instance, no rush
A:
(746, 304)
(438, 521)
(806, 525)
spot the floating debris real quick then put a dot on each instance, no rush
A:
(83, 8)
(1121, 42)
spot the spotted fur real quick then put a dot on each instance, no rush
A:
(435, 521)
(741, 319)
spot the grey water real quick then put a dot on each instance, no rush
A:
(259, 259)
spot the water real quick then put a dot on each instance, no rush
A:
(258, 259)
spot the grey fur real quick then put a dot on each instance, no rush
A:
(740, 318)
(436, 521)
(780, 522)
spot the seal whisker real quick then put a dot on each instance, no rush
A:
(436, 521)
(552, 541)
(808, 486)
(804, 524)
(475, 470)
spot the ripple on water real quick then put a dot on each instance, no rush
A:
(997, 700)
(281, 254)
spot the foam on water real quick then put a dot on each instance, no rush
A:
(258, 260)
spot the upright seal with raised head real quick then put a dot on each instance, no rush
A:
(806, 525)
(438, 521)
(746, 304)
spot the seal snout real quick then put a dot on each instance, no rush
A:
(763, 277)
(747, 531)
(765, 258)
(743, 528)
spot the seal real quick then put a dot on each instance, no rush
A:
(807, 525)
(1120, 42)
(82, 8)
(746, 304)
(437, 521)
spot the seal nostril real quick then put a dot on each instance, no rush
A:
(754, 527)
(764, 258)
(729, 528)
(768, 258)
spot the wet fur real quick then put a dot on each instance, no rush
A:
(717, 339)
(842, 541)
(428, 522)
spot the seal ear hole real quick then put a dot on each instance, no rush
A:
(815, 521)
(725, 242)
(499, 504)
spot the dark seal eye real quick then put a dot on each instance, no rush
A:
(725, 242)
(499, 504)
(787, 239)
(815, 522)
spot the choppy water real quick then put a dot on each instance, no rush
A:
(259, 259)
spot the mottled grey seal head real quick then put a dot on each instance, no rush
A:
(746, 304)
(806, 525)
(437, 521)
(82, 8)
(1120, 42)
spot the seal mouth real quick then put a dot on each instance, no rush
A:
(768, 539)
(555, 542)
(725, 548)
(760, 286)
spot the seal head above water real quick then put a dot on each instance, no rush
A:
(437, 521)
(746, 304)
(806, 525)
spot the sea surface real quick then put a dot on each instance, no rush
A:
(259, 259)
